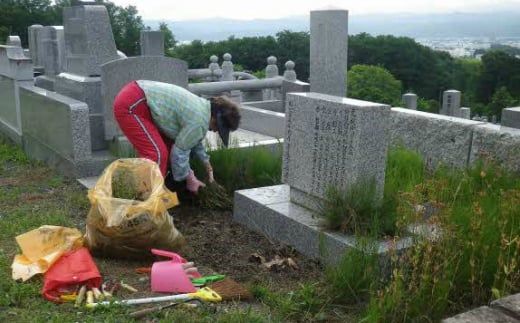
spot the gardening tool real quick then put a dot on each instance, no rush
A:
(169, 276)
(205, 294)
(230, 290)
(201, 281)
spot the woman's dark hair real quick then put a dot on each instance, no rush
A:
(229, 109)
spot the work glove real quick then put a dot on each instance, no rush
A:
(192, 183)
(209, 171)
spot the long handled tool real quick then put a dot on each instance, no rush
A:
(205, 294)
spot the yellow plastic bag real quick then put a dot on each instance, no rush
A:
(42, 247)
(129, 228)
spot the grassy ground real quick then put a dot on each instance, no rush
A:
(475, 262)
(32, 195)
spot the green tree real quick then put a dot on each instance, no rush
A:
(169, 38)
(17, 15)
(126, 26)
(421, 69)
(500, 100)
(498, 69)
(373, 83)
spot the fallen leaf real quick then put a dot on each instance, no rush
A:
(255, 257)
(291, 263)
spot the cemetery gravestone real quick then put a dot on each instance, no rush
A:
(451, 103)
(333, 142)
(89, 40)
(410, 101)
(152, 43)
(14, 41)
(329, 51)
(465, 113)
(33, 32)
(117, 73)
(511, 117)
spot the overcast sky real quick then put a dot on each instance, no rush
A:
(250, 9)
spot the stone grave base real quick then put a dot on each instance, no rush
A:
(268, 210)
(45, 82)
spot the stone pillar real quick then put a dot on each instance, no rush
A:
(271, 71)
(152, 43)
(451, 103)
(227, 68)
(15, 70)
(410, 101)
(89, 43)
(289, 74)
(511, 117)
(33, 32)
(329, 51)
(465, 113)
(333, 141)
(214, 67)
(52, 43)
(13, 41)
(494, 119)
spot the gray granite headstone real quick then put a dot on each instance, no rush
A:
(14, 41)
(53, 49)
(333, 141)
(89, 41)
(451, 103)
(410, 101)
(118, 73)
(152, 43)
(511, 117)
(329, 51)
(33, 43)
(465, 113)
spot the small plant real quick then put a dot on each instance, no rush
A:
(352, 211)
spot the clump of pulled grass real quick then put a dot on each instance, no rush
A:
(214, 197)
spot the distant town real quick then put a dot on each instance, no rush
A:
(470, 46)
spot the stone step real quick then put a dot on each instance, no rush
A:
(268, 210)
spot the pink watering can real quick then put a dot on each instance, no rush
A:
(169, 276)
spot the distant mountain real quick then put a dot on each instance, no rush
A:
(489, 24)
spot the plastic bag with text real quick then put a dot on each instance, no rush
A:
(129, 227)
(42, 247)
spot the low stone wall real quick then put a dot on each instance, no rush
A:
(271, 105)
(454, 141)
(503, 310)
(266, 122)
(57, 131)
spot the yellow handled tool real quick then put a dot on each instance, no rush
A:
(204, 294)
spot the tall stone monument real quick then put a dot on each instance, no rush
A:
(89, 40)
(89, 43)
(329, 51)
(333, 142)
(410, 101)
(51, 41)
(152, 43)
(451, 103)
(33, 32)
